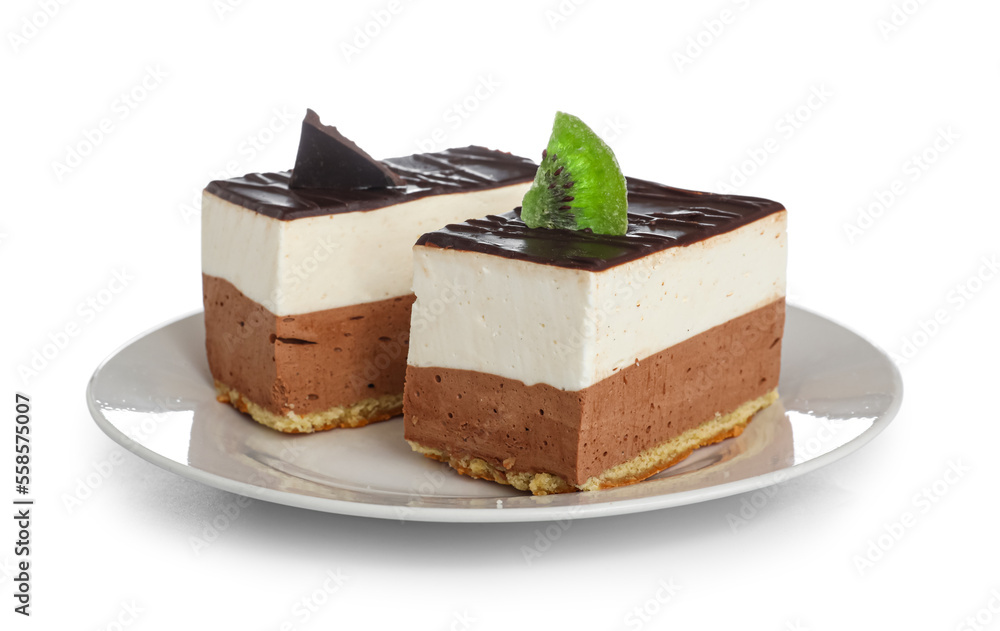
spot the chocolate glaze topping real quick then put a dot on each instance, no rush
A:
(326, 159)
(659, 217)
(451, 171)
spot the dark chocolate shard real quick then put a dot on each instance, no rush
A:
(327, 159)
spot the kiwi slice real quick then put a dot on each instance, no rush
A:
(578, 185)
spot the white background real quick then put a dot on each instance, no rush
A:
(216, 77)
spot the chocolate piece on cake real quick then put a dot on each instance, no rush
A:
(307, 290)
(326, 159)
(564, 360)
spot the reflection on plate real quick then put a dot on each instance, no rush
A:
(155, 397)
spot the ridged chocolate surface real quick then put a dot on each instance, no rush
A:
(450, 171)
(659, 217)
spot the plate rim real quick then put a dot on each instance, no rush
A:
(492, 515)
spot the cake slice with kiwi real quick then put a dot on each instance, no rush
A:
(600, 333)
(306, 273)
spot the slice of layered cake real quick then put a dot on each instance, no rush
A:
(307, 273)
(587, 342)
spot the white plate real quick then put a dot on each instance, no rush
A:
(154, 396)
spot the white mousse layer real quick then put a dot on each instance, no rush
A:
(329, 261)
(570, 328)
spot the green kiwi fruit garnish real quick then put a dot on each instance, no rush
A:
(578, 185)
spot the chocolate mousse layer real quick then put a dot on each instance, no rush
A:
(579, 434)
(305, 363)
(659, 217)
